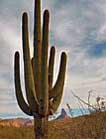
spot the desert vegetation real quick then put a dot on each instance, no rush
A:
(98, 105)
(83, 127)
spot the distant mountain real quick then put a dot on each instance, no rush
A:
(75, 112)
(12, 120)
(23, 122)
(63, 115)
(16, 122)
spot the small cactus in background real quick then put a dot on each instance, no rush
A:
(43, 98)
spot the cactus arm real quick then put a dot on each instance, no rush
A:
(58, 87)
(51, 67)
(20, 99)
(55, 104)
(28, 73)
(32, 62)
(57, 91)
(51, 111)
(44, 64)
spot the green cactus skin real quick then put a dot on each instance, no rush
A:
(43, 98)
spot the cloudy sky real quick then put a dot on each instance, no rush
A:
(77, 27)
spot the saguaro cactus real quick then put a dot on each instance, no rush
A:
(43, 98)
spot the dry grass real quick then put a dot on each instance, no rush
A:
(83, 127)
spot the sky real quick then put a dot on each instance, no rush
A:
(77, 27)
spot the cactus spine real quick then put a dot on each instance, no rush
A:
(43, 98)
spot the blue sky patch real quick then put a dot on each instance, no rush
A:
(98, 50)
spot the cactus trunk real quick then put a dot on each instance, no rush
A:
(41, 127)
(43, 98)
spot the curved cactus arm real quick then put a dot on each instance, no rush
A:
(28, 73)
(44, 64)
(55, 94)
(58, 87)
(55, 104)
(51, 111)
(32, 62)
(51, 67)
(20, 99)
